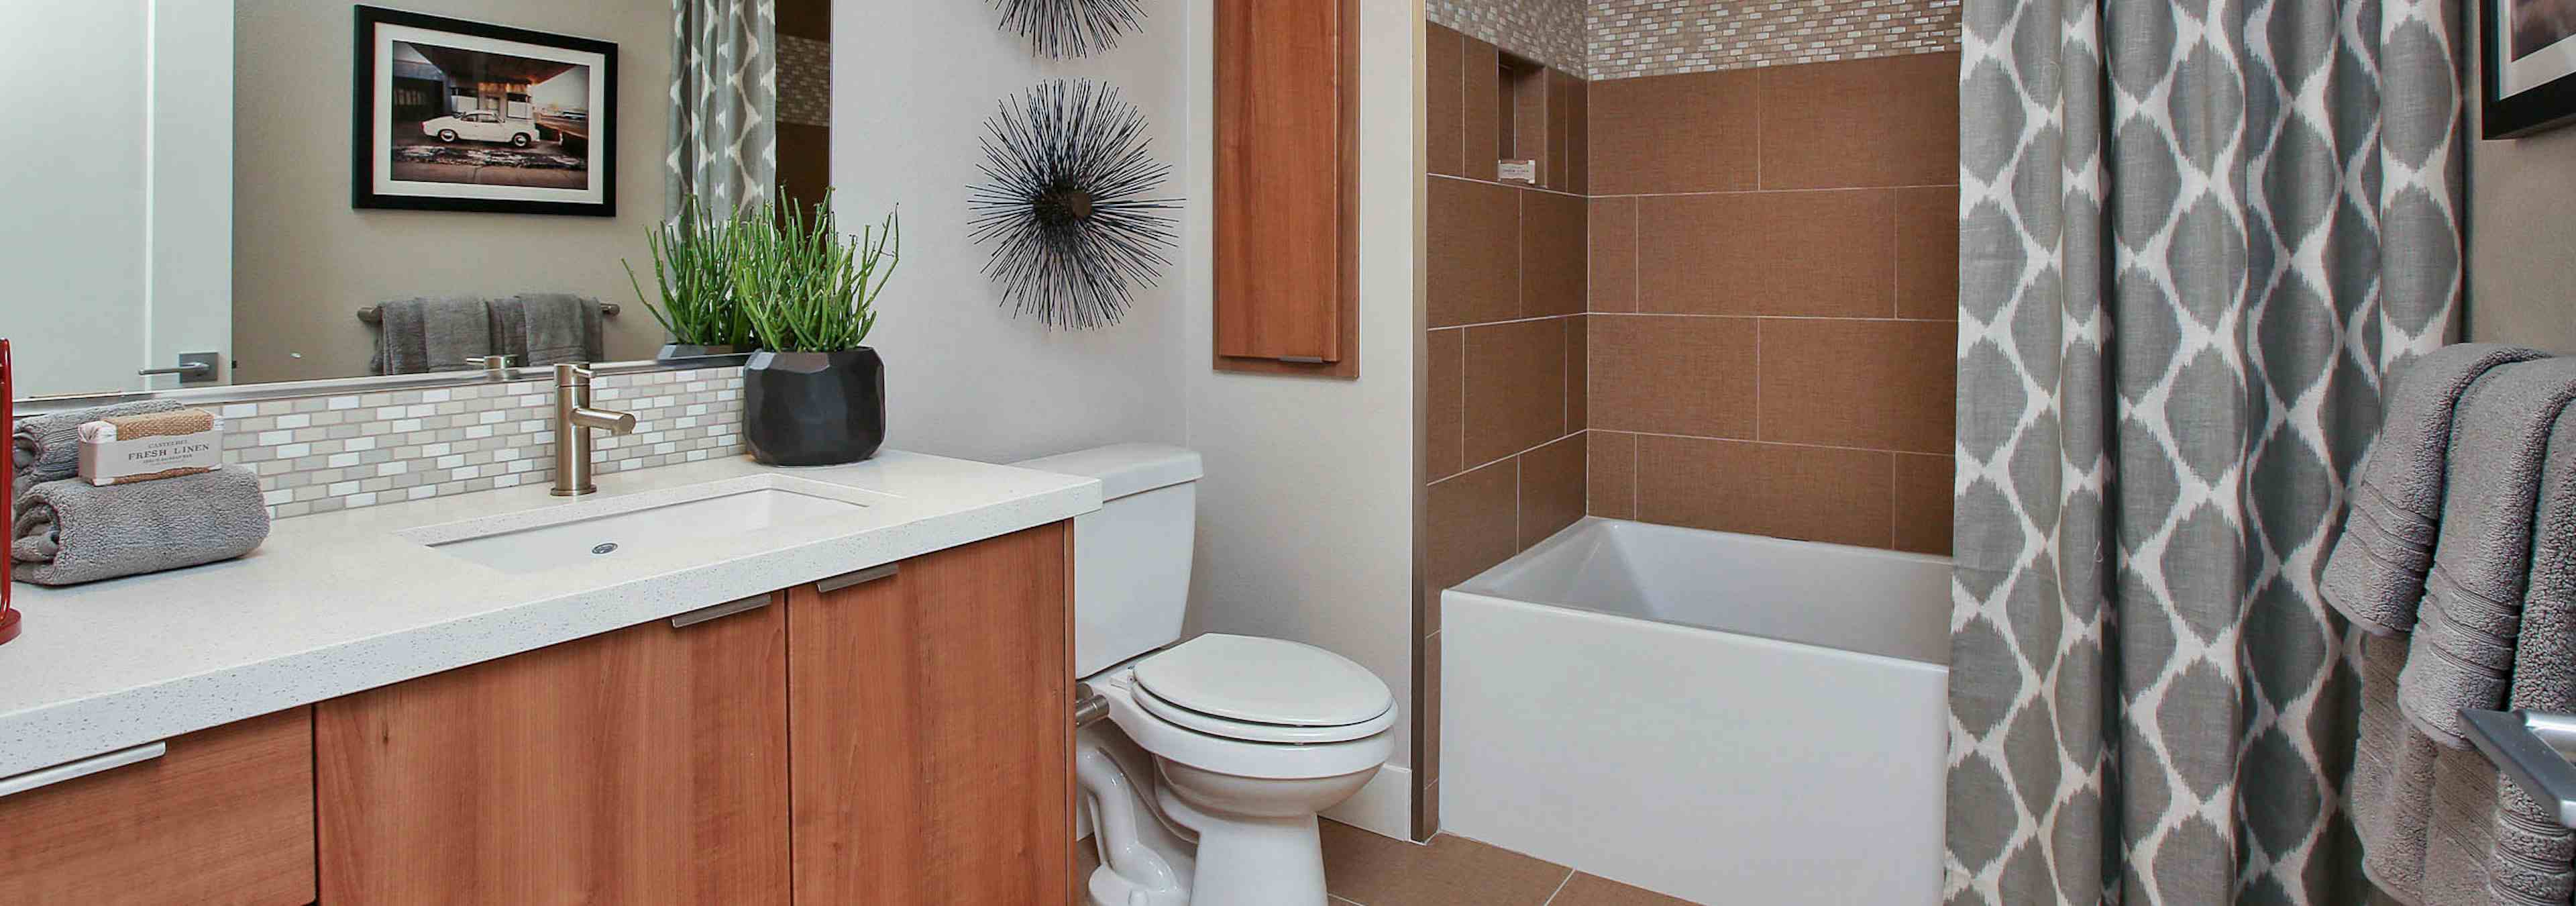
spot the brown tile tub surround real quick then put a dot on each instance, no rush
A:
(1774, 270)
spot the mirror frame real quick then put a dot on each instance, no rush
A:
(42, 405)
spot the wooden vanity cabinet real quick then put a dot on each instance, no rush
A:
(932, 728)
(224, 816)
(646, 765)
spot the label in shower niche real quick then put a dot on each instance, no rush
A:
(1517, 171)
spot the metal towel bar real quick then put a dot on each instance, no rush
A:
(375, 314)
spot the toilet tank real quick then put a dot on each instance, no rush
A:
(1131, 559)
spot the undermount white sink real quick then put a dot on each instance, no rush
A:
(575, 535)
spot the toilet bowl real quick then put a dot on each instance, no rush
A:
(1242, 762)
(1201, 788)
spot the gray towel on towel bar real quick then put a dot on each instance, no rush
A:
(69, 532)
(2532, 858)
(2391, 792)
(49, 445)
(537, 329)
(2375, 577)
(416, 336)
(2462, 651)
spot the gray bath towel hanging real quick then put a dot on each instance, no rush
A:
(417, 336)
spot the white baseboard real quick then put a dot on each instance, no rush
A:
(1383, 807)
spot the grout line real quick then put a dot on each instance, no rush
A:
(1520, 256)
(1892, 480)
(1895, 254)
(1636, 253)
(1499, 459)
(1757, 379)
(1754, 317)
(1636, 478)
(1754, 440)
(1560, 888)
(1784, 191)
(1550, 318)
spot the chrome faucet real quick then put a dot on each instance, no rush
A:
(574, 420)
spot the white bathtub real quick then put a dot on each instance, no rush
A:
(1724, 718)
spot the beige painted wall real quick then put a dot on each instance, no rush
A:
(2522, 238)
(305, 261)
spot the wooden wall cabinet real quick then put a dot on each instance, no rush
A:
(224, 817)
(646, 765)
(1287, 187)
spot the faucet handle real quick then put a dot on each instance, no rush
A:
(571, 375)
(496, 366)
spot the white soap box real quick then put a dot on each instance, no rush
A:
(106, 460)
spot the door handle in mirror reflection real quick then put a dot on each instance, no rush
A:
(11, 786)
(193, 368)
(862, 577)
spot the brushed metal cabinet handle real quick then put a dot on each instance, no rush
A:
(721, 611)
(862, 577)
(45, 777)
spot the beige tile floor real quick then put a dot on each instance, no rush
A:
(1364, 869)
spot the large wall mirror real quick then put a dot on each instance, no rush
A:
(185, 209)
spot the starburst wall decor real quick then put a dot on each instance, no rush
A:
(1068, 204)
(1071, 28)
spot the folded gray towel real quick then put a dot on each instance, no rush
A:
(2392, 778)
(2375, 577)
(68, 532)
(49, 445)
(2463, 647)
(539, 329)
(416, 336)
(2437, 827)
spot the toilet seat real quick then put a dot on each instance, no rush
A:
(1250, 731)
(1231, 680)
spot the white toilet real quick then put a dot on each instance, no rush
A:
(1224, 746)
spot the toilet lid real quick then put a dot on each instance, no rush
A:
(1248, 731)
(1267, 681)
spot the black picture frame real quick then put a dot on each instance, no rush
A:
(364, 153)
(2539, 109)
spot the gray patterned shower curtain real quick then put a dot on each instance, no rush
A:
(724, 104)
(2196, 234)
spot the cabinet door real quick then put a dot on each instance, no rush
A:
(932, 729)
(224, 816)
(646, 765)
(1287, 188)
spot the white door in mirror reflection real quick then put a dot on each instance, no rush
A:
(117, 237)
(481, 126)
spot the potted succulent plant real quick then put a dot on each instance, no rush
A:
(693, 269)
(812, 395)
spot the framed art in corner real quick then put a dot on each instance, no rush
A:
(2530, 66)
(453, 115)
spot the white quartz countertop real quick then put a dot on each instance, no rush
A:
(342, 602)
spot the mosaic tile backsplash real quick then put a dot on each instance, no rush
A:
(324, 453)
(1547, 31)
(1631, 38)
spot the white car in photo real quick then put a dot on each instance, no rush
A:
(481, 126)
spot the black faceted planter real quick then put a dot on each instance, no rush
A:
(813, 408)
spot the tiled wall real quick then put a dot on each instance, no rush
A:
(324, 453)
(1774, 273)
(1504, 395)
(1631, 38)
(1548, 31)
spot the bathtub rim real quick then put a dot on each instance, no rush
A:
(1483, 584)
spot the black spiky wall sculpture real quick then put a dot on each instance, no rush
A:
(1067, 204)
(1071, 28)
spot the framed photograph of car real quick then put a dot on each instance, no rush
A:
(468, 116)
(2530, 66)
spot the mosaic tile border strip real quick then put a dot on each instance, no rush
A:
(1548, 31)
(324, 453)
(1631, 38)
(804, 81)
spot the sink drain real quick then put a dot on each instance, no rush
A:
(609, 548)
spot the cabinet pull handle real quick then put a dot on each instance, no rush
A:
(11, 786)
(1302, 359)
(720, 611)
(862, 577)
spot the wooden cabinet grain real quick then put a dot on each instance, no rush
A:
(224, 817)
(932, 729)
(1287, 187)
(646, 765)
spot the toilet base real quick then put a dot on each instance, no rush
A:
(1172, 835)
(1249, 861)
